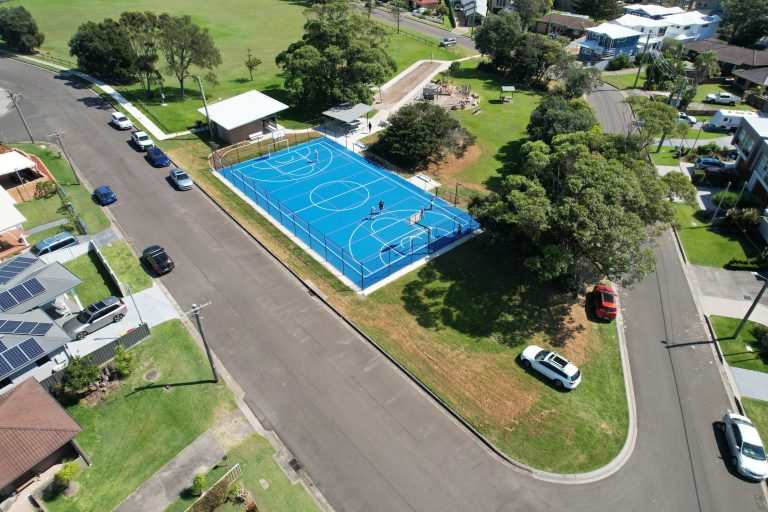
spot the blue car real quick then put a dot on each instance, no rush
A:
(157, 158)
(104, 195)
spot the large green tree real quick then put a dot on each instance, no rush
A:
(341, 55)
(422, 133)
(557, 115)
(705, 65)
(19, 30)
(530, 10)
(598, 9)
(746, 21)
(102, 49)
(664, 71)
(656, 120)
(143, 31)
(577, 80)
(535, 55)
(184, 43)
(583, 201)
(497, 38)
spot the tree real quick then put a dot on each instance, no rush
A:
(252, 63)
(746, 21)
(578, 81)
(339, 58)
(19, 30)
(656, 120)
(598, 9)
(535, 55)
(663, 71)
(679, 185)
(705, 65)
(80, 373)
(184, 44)
(199, 484)
(397, 8)
(497, 38)
(102, 50)
(422, 133)
(143, 30)
(529, 10)
(556, 115)
(125, 361)
(68, 472)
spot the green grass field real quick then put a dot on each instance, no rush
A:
(266, 27)
(757, 411)
(704, 89)
(126, 266)
(624, 81)
(96, 283)
(744, 351)
(134, 432)
(703, 245)
(664, 157)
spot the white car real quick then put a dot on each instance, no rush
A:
(142, 140)
(745, 445)
(555, 367)
(685, 118)
(723, 98)
(120, 121)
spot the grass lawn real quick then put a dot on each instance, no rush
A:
(704, 89)
(624, 81)
(705, 246)
(96, 281)
(126, 266)
(134, 432)
(703, 134)
(243, 25)
(757, 410)
(255, 458)
(40, 211)
(735, 350)
(500, 127)
(664, 157)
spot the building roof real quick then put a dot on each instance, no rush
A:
(653, 10)
(758, 124)
(614, 31)
(737, 55)
(565, 20)
(692, 18)
(49, 338)
(10, 217)
(13, 161)
(632, 20)
(757, 76)
(53, 280)
(243, 109)
(346, 113)
(32, 426)
(480, 6)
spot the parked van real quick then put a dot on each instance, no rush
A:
(448, 41)
(729, 119)
(54, 243)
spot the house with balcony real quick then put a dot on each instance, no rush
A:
(572, 26)
(501, 5)
(652, 11)
(692, 26)
(654, 31)
(608, 40)
(751, 141)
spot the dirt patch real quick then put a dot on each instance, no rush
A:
(151, 375)
(448, 171)
(405, 85)
(102, 391)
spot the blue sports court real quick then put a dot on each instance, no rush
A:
(324, 194)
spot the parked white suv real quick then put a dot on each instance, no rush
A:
(723, 98)
(745, 445)
(555, 367)
(120, 121)
(142, 140)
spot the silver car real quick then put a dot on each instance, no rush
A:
(745, 445)
(95, 316)
(180, 179)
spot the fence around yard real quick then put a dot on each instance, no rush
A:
(214, 496)
(70, 253)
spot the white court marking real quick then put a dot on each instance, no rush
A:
(356, 186)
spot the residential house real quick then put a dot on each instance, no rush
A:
(654, 30)
(35, 433)
(608, 40)
(749, 78)
(730, 57)
(751, 141)
(474, 11)
(12, 237)
(692, 26)
(424, 4)
(709, 5)
(652, 11)
(501, 5)
(572, 26)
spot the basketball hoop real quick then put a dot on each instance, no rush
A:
(416, 218)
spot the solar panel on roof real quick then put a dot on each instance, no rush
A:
(4, 367)
(33, 286)
(2, 322)
(10, 326)
(41, 329)
(25, 328)
(7, 301)
(20, 293)
(15, 267)
(32, 348)
(15, 357)
(2, 346)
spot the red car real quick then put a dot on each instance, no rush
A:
(605, 302)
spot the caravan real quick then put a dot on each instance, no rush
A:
(728, 120)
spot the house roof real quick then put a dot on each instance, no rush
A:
(54, 278)
(632, 20)
(572, 22)
(480, 7)
(346, 113)
(13, 161)
(50, 338)
(730, 54)
(653, 10)
(757, 76)
(243, 109)
(758, 124)
(614, 31)
(692, 18)
(10, 217)
(32, 426)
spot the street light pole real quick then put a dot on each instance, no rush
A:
(195, 311)
(58, 136)
(751, 308)
(205, 105)
(720, 203)
(16, 99)
(637, 76)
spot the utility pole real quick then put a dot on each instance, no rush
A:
(720, 203)
(752, 307)
(16, 99)
(58, 136)
(195, 311)
(637, 76)
(205, 105)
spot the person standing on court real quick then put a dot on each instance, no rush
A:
(431, 204)
(381, 206)
(373, 212)
(370, 127)
(317, 157)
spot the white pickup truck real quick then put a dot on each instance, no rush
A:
(723, 98)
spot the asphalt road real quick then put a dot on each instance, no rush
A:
(614, 115)
(428, 30)
(369, 438)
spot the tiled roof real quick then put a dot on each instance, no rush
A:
(756, 75)
(737, 55)
(572, 22)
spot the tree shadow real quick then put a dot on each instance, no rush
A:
(72, 80)
(95, 102)
(170, 386)
(482, 295)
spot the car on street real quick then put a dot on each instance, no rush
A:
(745, 445)
(605, 302)
(558, 369)
(142, 140)
(180, 179)
(104, 195)
(713, 164)
(96, 316)
(447, 41)
(157, 158)
(158, 260)
(723, 98)
(120, 121)
(685, 118)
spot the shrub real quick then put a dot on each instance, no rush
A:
(125, 362)
(199, 484)
(747, 219)
(441, 10)
(68, 472)
(712, 150)
(428, 12)
(80, 373)
(45, 189)
(620, 61)
(726, 200)
(750, 264)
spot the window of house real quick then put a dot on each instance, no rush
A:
(686, 28)
(761, 167)
(621, 40)
(662, 31)
(745, 142)
(705, 26)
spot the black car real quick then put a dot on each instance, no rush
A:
(158, 260)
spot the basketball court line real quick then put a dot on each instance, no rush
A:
(315, 205)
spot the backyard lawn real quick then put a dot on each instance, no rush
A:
(664, 157)
(134, 432)
(96, 283)
(744, 351)
(705, 246)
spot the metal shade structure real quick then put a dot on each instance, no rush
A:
(347, 113)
